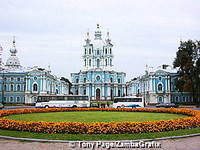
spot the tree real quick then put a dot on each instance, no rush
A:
(67, 81)
(188, 63)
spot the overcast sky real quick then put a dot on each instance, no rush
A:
(52, 32)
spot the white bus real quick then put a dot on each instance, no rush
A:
(65, 101)
(128, 102)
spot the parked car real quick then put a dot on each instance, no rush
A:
(1, 106)
(167, 105)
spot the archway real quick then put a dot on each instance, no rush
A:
(98, 94)
(160, 99)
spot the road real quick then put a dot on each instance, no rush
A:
(191, 143)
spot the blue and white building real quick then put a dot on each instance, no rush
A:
(157, 86)
(22, 85)
(98, 80)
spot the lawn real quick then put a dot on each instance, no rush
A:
(75, 137)
(95, 116)
(100, 116)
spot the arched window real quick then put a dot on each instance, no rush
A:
(11, 87)
(110, 51)
(90, 51)
(56, 91)
(84, 92)
(85, 51)
(76, 91)
(119, 93)
(111, 62)
(97, 52)
(111, 94)
(98, 63)
(106, 51)
(119, 81)
(5, 99)
(85, 62)
(106, 62)
(11, 99)
(111, 80)
(84, 80)
(90, 62)
(35, 88)
(18, 99)
(176, 99)
(5, 88)
(183, 99)
(77, 80)
(160, 87)
(18, 87)
(138, 91)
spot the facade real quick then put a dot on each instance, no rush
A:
(157, 86)
(98, 80)
(23, 85)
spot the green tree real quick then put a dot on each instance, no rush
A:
(67, 81)
(188, 62)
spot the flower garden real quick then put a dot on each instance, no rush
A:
(191, 121)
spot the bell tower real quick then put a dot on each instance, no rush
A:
(97, 52)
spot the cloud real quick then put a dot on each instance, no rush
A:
(52, 32)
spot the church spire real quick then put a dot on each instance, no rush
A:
(13, 61)
(97, 33)
(13, 50)
(108, 40)
(87, 40)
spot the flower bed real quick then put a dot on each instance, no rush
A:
(100, 127)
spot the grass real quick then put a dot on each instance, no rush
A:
(75, 137)
(96, 116)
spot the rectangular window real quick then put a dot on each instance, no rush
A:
(18, 79)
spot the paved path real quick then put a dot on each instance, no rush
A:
(191, 143)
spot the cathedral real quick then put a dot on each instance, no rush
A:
(22, 85)
(98, 80)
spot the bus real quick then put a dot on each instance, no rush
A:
(128, 102)
(62, 101)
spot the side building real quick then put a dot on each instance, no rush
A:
(157, 86)
(98, 80)
(21, 85)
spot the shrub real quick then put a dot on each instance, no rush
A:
(192, 121)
